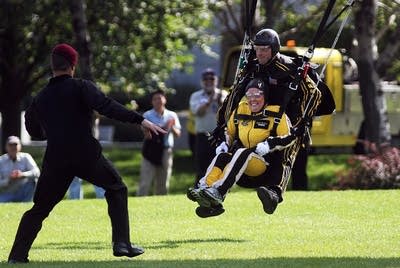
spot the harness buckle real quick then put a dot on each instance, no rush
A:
(296, 81)
(293, 86)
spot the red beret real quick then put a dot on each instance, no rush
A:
(66, 51)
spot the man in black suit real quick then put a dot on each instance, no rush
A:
(62, 113)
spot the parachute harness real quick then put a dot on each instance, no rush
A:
(301, 74)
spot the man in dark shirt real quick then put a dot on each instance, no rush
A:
(62, 113)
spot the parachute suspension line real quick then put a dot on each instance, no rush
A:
(242, 58)
(349, 4)
(320, 32)
(321, 74)
(321, 28)
(303, 69)
(344, 22)
(250, 9)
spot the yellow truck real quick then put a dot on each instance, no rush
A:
(337, 132)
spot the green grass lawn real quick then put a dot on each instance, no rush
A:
(309, 229)
(322, 169)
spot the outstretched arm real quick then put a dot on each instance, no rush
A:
(150, 129)
(274, 144)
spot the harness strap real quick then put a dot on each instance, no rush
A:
(236, 143)
(277, 119)
(265, 114)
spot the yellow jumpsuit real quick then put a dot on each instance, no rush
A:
(245, 130)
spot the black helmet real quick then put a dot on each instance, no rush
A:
(268, 37)
(260, 84)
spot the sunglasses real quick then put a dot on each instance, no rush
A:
(209, 79)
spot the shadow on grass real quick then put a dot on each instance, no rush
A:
(262, 262)
(160, 245)
(74, 245)
(177, 243)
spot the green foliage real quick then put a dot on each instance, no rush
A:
(136, 44)
(323, 170)
(395, 70)
(379, 169)
(388, 21)
(309, 229)
(28, 30)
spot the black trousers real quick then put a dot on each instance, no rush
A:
(204, 154)
(271, 178)
(51, 188)
(299, 170)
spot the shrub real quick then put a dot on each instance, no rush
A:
(379, 169)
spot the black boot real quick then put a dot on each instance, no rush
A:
(205, 212)
(269, 199)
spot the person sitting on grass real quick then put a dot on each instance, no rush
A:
(250, 156)
(18, 173)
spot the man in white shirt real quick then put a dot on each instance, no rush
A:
(18, 173)
(157, 163)
(204, 104)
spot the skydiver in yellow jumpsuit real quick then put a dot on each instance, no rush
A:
(244, 158)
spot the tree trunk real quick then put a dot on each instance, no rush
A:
(77, 8)
(377, 128)
(10, 107)
(11, 123)
(272, 10)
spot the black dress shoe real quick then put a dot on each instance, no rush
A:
(126, 249)
(15, 261)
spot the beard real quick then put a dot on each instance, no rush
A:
(209, 89)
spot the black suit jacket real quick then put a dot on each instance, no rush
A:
(62, 113)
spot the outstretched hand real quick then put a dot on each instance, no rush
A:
(150, 128)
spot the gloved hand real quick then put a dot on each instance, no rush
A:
(302, 127)
(262, 148)
(222, 148)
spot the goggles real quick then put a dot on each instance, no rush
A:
(256, 95)
(261, 48)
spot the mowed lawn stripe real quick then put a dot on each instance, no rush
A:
(309, 229)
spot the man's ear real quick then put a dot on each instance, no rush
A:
(73, 69)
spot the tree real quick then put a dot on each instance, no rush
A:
(135, 44)
(373, 59)
(79, 23)
(24, 46)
